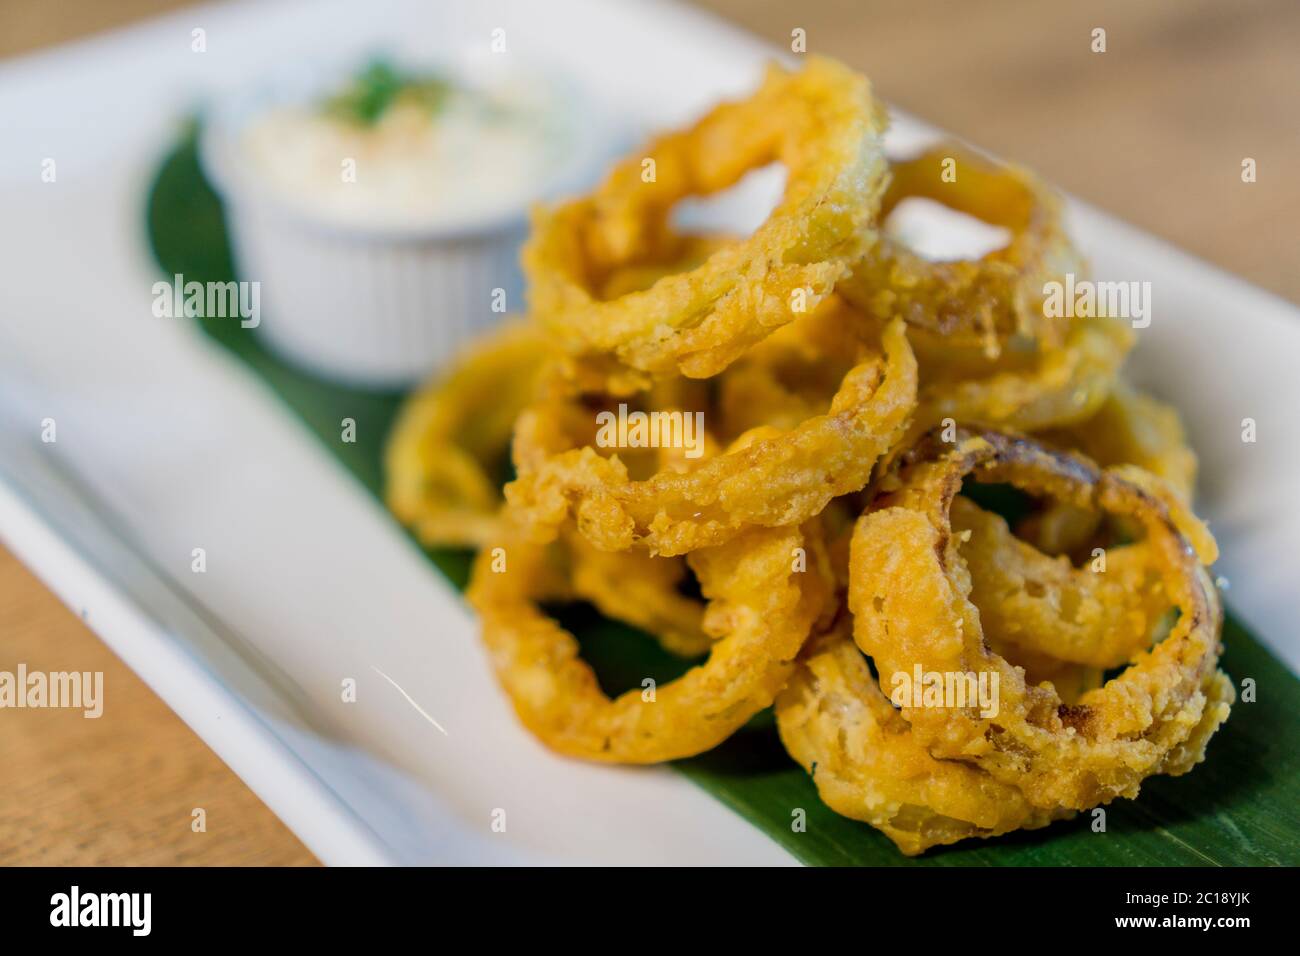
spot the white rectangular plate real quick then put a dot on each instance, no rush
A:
(165, 444)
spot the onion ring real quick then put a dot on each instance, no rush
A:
(1061, 387)
(1128, 428)
(970, 304)
(760, 610)
(909, 591)
(1135, 429)
(451, 432)
(1042, 604)
(637, 589)
(866, 764)
(821, 123)
(792, 375)
(776, 480)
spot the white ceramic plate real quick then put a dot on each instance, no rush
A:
(165, 444)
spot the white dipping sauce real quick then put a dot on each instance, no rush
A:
(480, 156)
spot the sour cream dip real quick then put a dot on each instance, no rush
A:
(434, 153)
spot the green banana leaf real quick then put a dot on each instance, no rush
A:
(1239, 807)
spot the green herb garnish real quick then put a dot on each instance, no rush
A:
(373, 91)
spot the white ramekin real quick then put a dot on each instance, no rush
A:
(377, 311)
(367, 305)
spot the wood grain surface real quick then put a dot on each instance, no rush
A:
(122, 788)
(1153, 130)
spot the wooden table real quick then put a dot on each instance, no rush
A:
(1154, 130)
(121, 788)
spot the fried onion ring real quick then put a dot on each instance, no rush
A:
(970, 304)
(1045, 605)
(792, 375)
(821, 123)
(1060, 387)
(1128, 428)
(1135, 429)
(866, 763)
(637, 589)
(760, 611)
(910, 594)
(778, 479)
(450, 433)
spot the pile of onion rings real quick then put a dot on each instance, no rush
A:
(773, 453)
